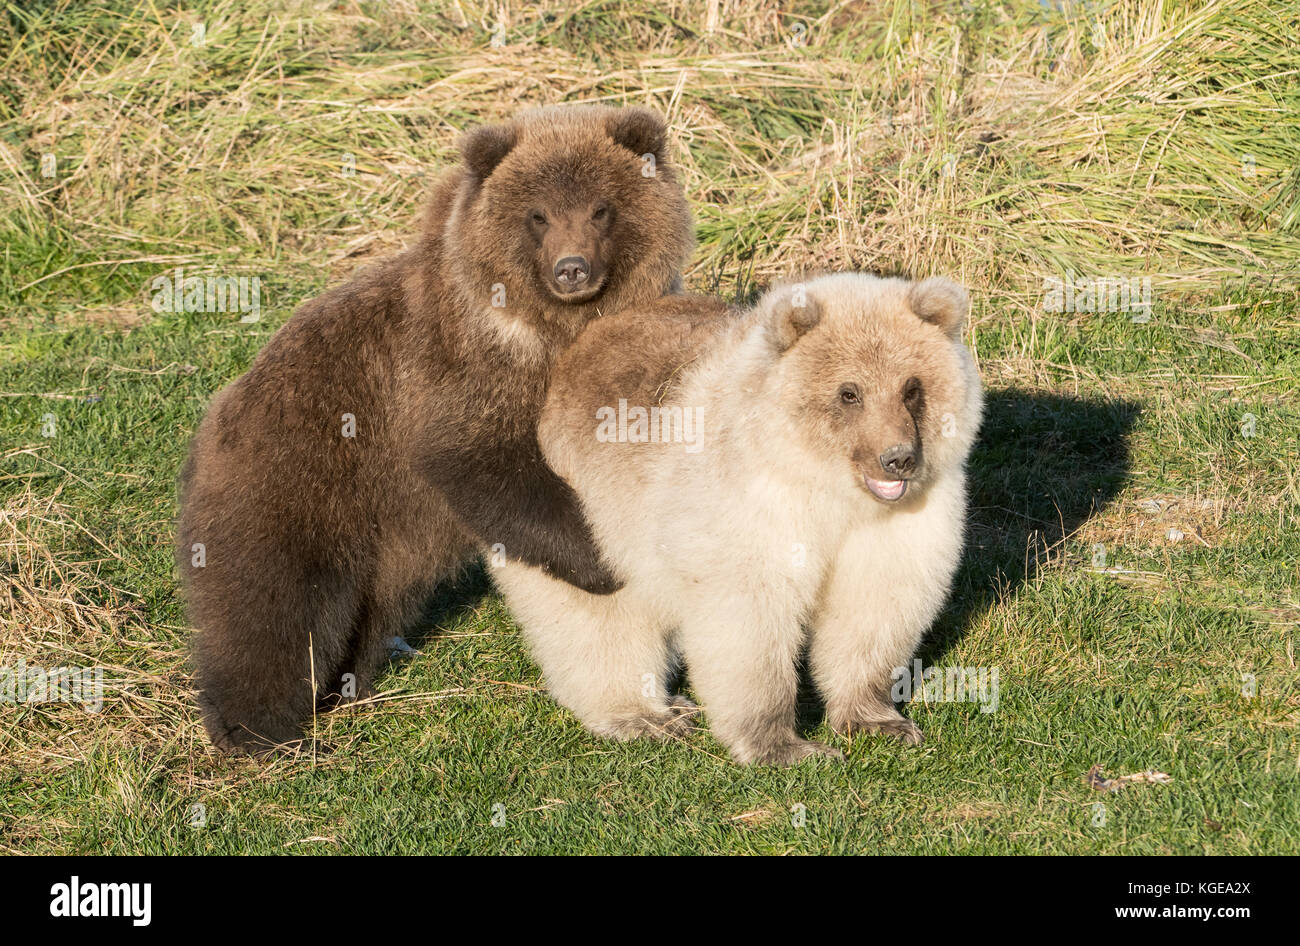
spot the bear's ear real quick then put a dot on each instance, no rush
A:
(788, 313)
(483, 148)
(640, 130)
(940, 302)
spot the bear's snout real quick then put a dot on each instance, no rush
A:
(572, 273)
(888, 474)
(899, 460)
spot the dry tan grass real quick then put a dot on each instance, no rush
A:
(980, 145)
(970, 810)
(57, 612)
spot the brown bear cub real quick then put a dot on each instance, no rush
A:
(388, 429)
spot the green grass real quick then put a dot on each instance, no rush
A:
(1103, 139)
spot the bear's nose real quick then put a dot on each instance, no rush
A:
(572, 271)
(899, 460)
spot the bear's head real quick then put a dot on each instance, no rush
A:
(876, 378)
(568, 211)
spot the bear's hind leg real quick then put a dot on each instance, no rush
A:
(254, 659)
(382, 617)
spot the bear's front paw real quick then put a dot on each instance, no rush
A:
(787, 752)
(901, 728)
(593, 577)
(672, 722)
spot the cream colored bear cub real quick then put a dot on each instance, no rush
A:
(801, 465)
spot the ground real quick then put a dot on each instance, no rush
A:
(1132, 568)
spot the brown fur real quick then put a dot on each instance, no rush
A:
(639, 356)
(319, 546)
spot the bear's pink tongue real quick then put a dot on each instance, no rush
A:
(888, 490)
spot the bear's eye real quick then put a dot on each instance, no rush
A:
(539, 219)
(849, 394)
(913, 393)
(601, 213)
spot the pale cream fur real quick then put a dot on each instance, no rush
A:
(733, 554)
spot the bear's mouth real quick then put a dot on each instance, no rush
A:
(584, 292)
(887, 491)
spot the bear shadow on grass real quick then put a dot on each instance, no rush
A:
(1043, 465)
